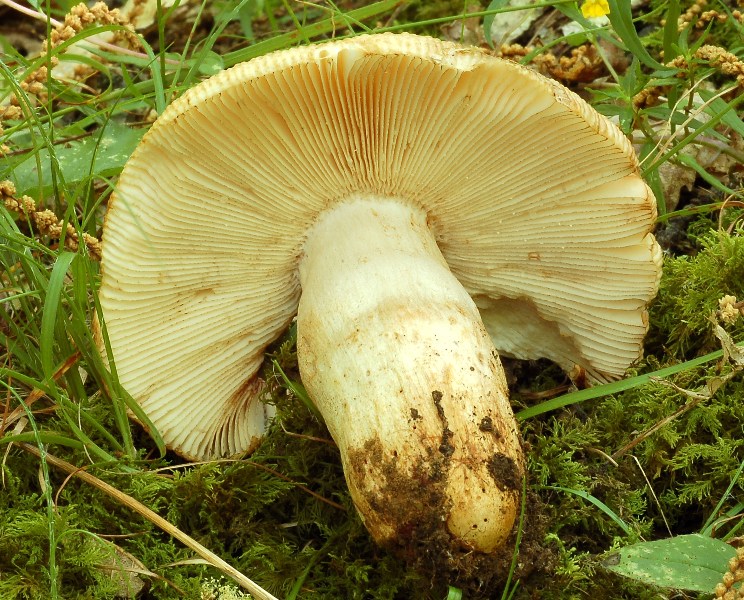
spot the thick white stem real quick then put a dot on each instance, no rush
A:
(393, 352)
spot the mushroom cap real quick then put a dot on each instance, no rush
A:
(533, 197)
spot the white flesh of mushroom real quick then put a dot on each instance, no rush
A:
(393, 352)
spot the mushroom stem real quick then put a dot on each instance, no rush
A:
(394, 354)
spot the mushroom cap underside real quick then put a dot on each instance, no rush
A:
(534, 199)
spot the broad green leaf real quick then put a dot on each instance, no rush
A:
(98, 155)
(454, 593)
(688, 562)
(211, 64)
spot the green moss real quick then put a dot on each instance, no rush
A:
(259, 514)
(678, 473)
(689, 292)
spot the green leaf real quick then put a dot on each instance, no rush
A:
(671, 35)
(211, 64)
(310, 30)
(707, 125)
(653, 179)
(298, 390)
(597, 502)
(717, 106)
(689, 562)
(49, 315)
(246, 15)
(454, 593)
(713, 519)
(156, 67)
(45, 437)
(106, 152)
(621, 19)
(488, 20)
(614, 387)
(689, 161)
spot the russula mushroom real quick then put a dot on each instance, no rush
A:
(405, 198)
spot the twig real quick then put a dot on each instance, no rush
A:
(654, 428)
(310, 438)
(299, 485)
(154, 518)
(36, 393)
(29, 12)
(40, 16)
(260, 466)
(653, 493)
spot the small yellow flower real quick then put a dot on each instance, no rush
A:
(595, 8)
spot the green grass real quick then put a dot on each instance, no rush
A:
(597, 483)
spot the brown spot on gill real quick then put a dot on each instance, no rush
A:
(207, 291)
(246, 391)
(578, 377)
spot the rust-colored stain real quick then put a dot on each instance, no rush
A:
(248, 389)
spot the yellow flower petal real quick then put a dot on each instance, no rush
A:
(595, 8)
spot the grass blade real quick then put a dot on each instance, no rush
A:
(621, 18)
(309, 31)
(46, 437)
(615, 386)
(158, 521)
(597, 502)
(51, 306)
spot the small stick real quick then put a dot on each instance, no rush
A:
(157, 520)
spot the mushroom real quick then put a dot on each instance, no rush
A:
(419, 206)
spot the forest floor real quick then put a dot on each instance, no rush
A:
(657, 455)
